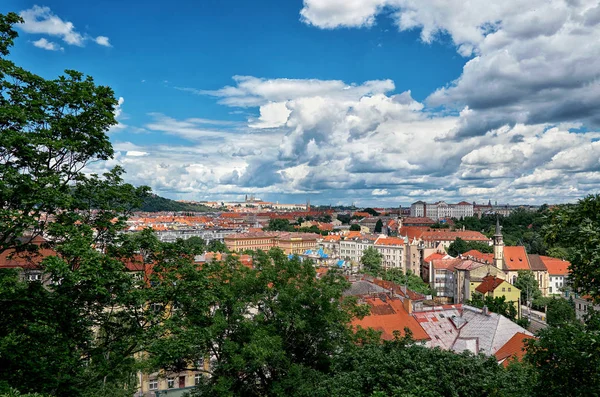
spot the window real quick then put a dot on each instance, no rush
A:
(153, 384)
(503, 289)
(34, 277)
(550, 289)
(197, 379)
(170, 383)
(509, 289)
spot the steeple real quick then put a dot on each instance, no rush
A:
(498, 246)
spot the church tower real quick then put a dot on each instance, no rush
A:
(498, 246)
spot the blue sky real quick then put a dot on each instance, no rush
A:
(380, 102)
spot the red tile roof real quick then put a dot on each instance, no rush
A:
(390, 316)
(479, 256)
(489, 284)
(515, 258)
(556, 266)
(513, 349)
(435, 255)
(391, 241)
(447, 264)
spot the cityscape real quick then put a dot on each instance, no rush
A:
(304, 198)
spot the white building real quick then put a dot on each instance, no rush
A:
(441, 210)
(392, 252)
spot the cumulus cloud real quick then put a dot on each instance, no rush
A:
(103, 41)
(380, 192)
(41, 20)
(47, 45)
(333, 140)
(528, 63)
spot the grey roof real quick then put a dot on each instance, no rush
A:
(363, 287)
(470, 330)
(536, 263)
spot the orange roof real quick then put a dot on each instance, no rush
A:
(489, 284)
(412, 232)
(447, 264)
(390, 316)
(332, 237)
(395, 241)
(479, 256)
(435, 255)
(515, 258)
(513, 349)
(555, 265)
(446, 235)
(352, 234)
(363, 214)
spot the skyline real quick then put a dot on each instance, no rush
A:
(379, 102)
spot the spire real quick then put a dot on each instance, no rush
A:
(498, 227)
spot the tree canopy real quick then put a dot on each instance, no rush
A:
(576, 229)
(371, 261)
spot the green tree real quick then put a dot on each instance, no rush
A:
(264, 327)
(196, 244)
(76, 333)
(412, 281)
(378, 226)
(497, 304)
(528, 285)
(279, 224)
(567, 358)
(373, 370)
(49, 131)
(355, 227)
(460, 246)
(457, 247)
(371, 261)
(578, 226)
(371, 211)
(560, 311)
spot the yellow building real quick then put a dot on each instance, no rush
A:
(496, 287)
(290, 243)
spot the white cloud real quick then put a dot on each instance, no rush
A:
(103, 41)
(47, 45)
(135, 153)
(335, 140)
(380, 192)
(41, 20)
(533, 61)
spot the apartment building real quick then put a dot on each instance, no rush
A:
(290, 243)
(441, 210)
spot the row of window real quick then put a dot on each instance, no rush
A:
(153, 383)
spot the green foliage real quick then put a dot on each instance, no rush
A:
(345, 219)
(521, 227)
(559, 312)
(371, 261)
(298, 322)
(401, 368)
(279, 224)
(411, 280)
(371, 211)
(154, 203)
(578, 226)
(355, 227)
(567, 358)
(378, 226)
(497, 305)
(528, 285)
(460, 246)
(49, 131)
(74, 335)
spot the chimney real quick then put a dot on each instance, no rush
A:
(485, 311)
